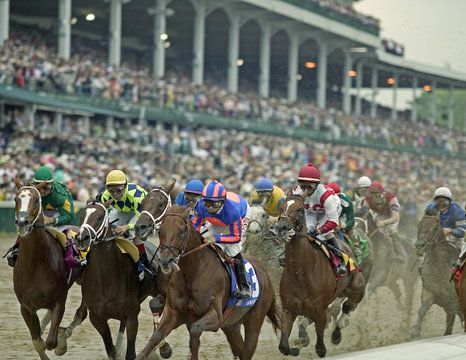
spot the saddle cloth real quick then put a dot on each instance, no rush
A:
(335, 259)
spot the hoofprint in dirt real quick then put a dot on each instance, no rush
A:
(377, 322)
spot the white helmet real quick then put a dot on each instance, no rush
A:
(364, 182)
(444, 192)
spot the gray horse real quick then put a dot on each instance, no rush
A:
(439, 255)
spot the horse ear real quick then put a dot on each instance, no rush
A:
(18, 182)
(89, 201)
(170, 185)
(431, 211)
(41, 185)
(186, 212)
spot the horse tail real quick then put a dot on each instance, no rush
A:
(274, 316)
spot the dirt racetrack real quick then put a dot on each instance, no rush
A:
(375, 323)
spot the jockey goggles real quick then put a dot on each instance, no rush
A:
(441, 201)
(215, 205)
(307, 185)
(116, 189)
(191, 196)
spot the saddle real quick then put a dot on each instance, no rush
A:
(66, 238)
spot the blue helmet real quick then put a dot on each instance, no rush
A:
(264, 184)
(194, 186)
(214, 191)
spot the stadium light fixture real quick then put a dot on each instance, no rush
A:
(427, 88)
(358, 50)
(167, 44)
(90, 17)
(74, 20)
(239, 62)
(352, 73)
(310, 65)
(391, 81)
(299, 77)
(163, 36)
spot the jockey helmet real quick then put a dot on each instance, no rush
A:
(43, 173)
(335, 187)
(194, 186)
(443, 192)
(376, 187)
(115, 177)
(309, 173)
(214, 191)
(364, 182)
(264, 184)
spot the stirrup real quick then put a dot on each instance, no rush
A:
(243, 293)
(342, 270)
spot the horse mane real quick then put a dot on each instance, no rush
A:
(176, 210)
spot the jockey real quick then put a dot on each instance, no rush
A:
(452, 217)
(225, 215)
(386, 207)
(126, 199)
(57, 204)
(360, 191)
(269, 196)
(191, 194)
(322, 208)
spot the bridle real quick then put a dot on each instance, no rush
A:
(156, 220)
(430, 242)
(30, 226)
(97, 234)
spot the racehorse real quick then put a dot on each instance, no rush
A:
(110, 285)
(439, 254)
(308, 284)
(386, 270)
(40, 278)
(199, 289)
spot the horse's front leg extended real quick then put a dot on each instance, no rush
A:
(79, 316)
(209, 322)
(32, 321)
(169, 321)
(287, 320)
(57, 316)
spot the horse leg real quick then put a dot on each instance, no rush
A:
(102, 327)
(79, 316)
(287, 321)
(209, 322)
(57, 316)
(131, 333)
(32, 321)
(233, 334)
(45, 321)
(321, 323)
(395, 288)
(303, 337)
(168, 322)
(427, 300)
(252, 328)
(450, 321)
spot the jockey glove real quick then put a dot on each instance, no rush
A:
(313, 233)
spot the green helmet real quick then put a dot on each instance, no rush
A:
(43, 174)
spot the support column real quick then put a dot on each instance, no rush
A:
(394, 99)
(30, 112)
(293, 52)
(347, 83)
(451, 107)
(58, 122)
(64, 31)
(264, 61)
(160, 27)
(433, 102)
(374, 85)
(414, 104)
(233, 52)
(4, 20)
(359, 70)
(114, 50)
(2, 115)
(86, 125)
(322, 75)
(198, 46)
(109, 124)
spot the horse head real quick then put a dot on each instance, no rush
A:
(28, 207)
(258, 220)
(154, 206)
(174, 232)
(94, 224)
(291, 220)
(429, 231)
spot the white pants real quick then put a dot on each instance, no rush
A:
(234, 249)
(124, 218)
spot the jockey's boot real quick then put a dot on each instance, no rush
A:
(341, 269)
(13, 253)
(244, 290)
(145, 262)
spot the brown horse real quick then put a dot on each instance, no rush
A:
(39, 275)
(198, 292)
(308, 283)
(110, 285)
(439, 255)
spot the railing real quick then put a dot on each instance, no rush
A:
(121, 109)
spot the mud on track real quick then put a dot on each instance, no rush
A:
(375, 323)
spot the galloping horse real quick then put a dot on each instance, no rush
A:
(39, 276)
(199, 290)
(439, 255)
(308, 284)
(110, 285)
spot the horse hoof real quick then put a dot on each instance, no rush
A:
(321, 351)
(166, 351)
(294, 352)
(50, 345)
(336, 336)
(414, 335)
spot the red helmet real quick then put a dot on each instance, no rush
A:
(335, 187)
(309, 173)
(376, 187)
